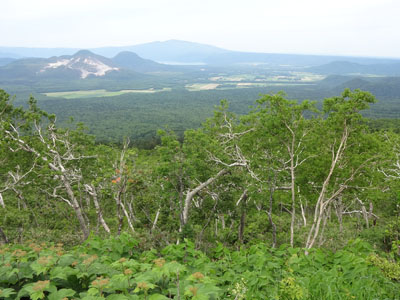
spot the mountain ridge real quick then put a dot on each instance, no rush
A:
(190, 52)
(345, 68)
(81, 65)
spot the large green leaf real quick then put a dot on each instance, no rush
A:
(60, 294)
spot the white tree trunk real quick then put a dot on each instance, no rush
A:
(92, 191)
(192, 193)
(155, 220)
(2, 201)
(321, 202)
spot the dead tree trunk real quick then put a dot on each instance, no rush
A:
(364, 212)
(121, 183)
(327, 216)
(153, 227)
(92, 192)
(322, 202)
(242, 202)
(192, 193)
(75, 206)
(2, 201)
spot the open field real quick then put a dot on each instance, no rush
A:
(273, 77)
(99, 93)
(267, 84)
(241, 77)
(201, 86)
(196, 87)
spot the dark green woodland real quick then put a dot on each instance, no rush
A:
(289, 199)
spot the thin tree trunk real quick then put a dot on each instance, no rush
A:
(3, 237)
(76, 207)
(92, 191)
(155, 220)
(222, 221)
(200, 236)
(180, 200)
(364, 212)
(2, 201)
(321, 202)
(325, 219)
(192, 193)
(127, 217)
(303, 214)
(291, 151)
(242, 226)
(339, 213)
(119, 214)
(242, 203)
(292, 188)
(269, 213)
(100, 215)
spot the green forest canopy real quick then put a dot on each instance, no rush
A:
(271, 176)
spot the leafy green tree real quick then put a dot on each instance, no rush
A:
(59, 152)
(342, 132)
(280, 139)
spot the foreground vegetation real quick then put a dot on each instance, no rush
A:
(117, 269)
(264, 190)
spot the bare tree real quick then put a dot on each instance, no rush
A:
(228, 138)
(328, 195)
(120, 189)
(91, 190)
(60, 156)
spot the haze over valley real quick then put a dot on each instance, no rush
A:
(140, 85)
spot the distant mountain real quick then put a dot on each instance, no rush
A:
(132, 61)
(83, 64)
(333, 81)
(288, 60)
(381, 87)
(21, 52)
(183, 52)
(385, 88)
(5, 60)
(345, 67)
(168, 51)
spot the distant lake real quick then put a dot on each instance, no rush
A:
(182, 63)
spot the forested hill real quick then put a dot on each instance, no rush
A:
(345, 67)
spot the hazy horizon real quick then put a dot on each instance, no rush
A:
(127, 45)
(367, 28)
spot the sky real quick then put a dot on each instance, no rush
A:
(339, 27)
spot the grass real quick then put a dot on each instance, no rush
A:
(201, 86)
(99, 93)
(290, 77)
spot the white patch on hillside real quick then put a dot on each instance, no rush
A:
(62, 62)
(87, 66)
(100, 69)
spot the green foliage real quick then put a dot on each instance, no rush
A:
(251, 204)
(390, 269)
(50, 272)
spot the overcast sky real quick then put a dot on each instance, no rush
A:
(343, 27)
